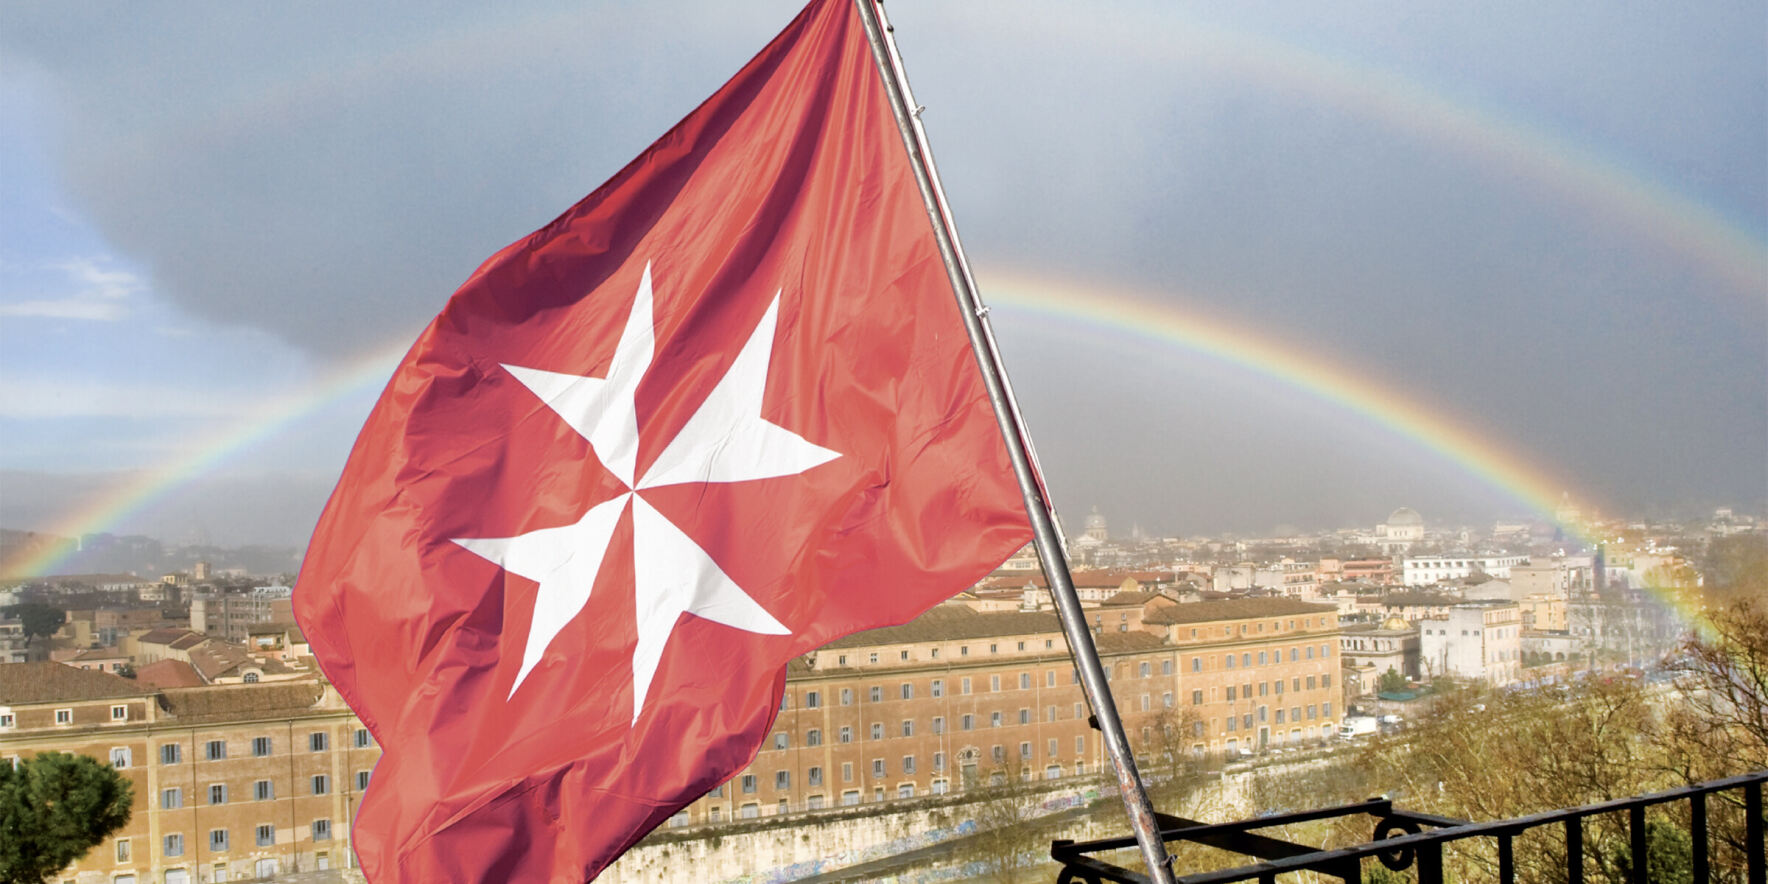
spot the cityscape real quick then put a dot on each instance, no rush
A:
(1239, 665)
(546, 442)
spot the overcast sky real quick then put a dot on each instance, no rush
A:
(1544, 222)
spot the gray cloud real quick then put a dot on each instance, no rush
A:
(330, 173)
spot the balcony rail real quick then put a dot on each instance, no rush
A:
(1405, 839)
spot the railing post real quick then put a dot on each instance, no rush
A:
(1574, 850)
(1430, 862)
(1697, 836)
(1506, 859)
(1640, 848)
(1752, 838)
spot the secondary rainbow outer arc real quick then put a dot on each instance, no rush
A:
(363, 375)
(1609, 189)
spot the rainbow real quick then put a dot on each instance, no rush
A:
(1156, 319)
(1609, 190)
(360, 376)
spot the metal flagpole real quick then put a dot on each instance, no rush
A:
(1048, 539)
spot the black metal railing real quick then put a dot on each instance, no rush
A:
(1407, 839)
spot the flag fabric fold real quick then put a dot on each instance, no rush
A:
(718, 413)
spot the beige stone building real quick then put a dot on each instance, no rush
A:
(230, 782)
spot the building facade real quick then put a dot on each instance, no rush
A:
(1428, 570)
(957, 697)
(1479, 640)
(230, 783)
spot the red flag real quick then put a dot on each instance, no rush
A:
(717, 414)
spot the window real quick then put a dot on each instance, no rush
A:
(1231, 693)
(908, 691)
(1080, 746)
(1295, 683)
(1277, 686)
(968, 722)
(1025, 681)
(748, 784)
(938, 688)
(363, 738)
(873, 657)
(908, 764)
(1145, 670)
(850, 797)
(218, 793)
(814, 776)
(1233, 723)
(1264, 687)
(1025, 749)
(904, 655)
(846, 735)
(1077, 710)
(261, 746)
(1196, 664)
(1279, 714)
(171, 799)
(1310, 682)
(877, 730)
(813, 737)
(1197, 698)
(782, 780)
(964, 686)
(318, 741)
(939, 761)
(934, 653)
(217, 839)
(1049, 713)
(781, 741)
(263, 790)
(174, 845)
(121, 757)
(847, 696)
(1310, 652)
(122, 850)
(1313, 710)
(877, 694)
(215, 750)
(119, 713)
(362, 780)
(994, 719)
(64, 716)
(938, 724)
(994, 683)
(1025, 716)
(1166, 667)
(1325, 710)
(993, 648)
(171, 753)
(846, 771)
(812, 699)
(877, 767)
(1326, 681)
(1166, 700)
(963, 650)
(1228, 660)
(999, 753)
(321, 784)
(908, 727)
(1263, 657)
(750, 811)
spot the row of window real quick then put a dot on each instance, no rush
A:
(262, 790)
(1306, 623)
(750, 783)
(907, 727)
(1265, 658)
(1245, 722)
(1267, 688)
(221, 839)
(933, 652)
(216, 750)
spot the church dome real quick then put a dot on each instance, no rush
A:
(1405, 516)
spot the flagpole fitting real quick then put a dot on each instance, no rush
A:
(1045, 529)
